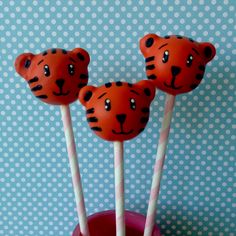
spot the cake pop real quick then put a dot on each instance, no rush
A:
(176, 65)
(118, 111)
(56, 76)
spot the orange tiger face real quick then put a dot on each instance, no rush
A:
(56, 75)
(176, 64)
(118, 111)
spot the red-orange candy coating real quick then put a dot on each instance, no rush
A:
(176, 64)
(55, 76)
(118, 111)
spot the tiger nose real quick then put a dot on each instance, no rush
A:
(175, 70)
(121, 118)
(60, 83)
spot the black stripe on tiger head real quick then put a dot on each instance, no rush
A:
(43, 96)
(40, 62)
(202, 68)
(108, 85)
(84, 76)
(193, 86)
(90, 111)
(191, 40)
(81, 85)
(33, 80)
(152, 77)
(179, 37)
(145, 110)
(199, 76)
(148, 59)
(64, 51)
(54, 50)
(99, 129)
(119, 83)
(141, 130)
(44, 53)
(150, 67)
(144, 120)
(92, 119)
(37, 88)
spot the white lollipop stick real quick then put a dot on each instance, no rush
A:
(158, 168)
(74, 167)
(119, 188)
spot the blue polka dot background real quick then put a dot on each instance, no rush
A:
(198, 186)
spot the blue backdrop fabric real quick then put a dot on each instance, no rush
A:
(197, 195)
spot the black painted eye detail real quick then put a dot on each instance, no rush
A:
(46, 70)
(107, 105)
(71, 69)
(132, 104)
(165, 57)
(189, 60)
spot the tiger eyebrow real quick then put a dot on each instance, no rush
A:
(195, 50)
(163, 45)
(40, 62)
(72, 59)
(102, 95)
(133, 91)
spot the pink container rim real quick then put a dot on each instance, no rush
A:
(103, 224)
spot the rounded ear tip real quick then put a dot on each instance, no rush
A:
(22, 63)
(82, 54)
(209, 51)
(86, 54)
(147, 41)
(81, 95)
(150, 35)
(85, 94)
(152, 87)
(148, 87)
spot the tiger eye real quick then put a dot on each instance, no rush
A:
(71, 69)
(46, 70)
(107, 105)
(189, 60)
(132, 104)
(165, 57)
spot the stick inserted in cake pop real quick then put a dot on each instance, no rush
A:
(176, 65)
(117, 112)
(119, 186)
(56, 76)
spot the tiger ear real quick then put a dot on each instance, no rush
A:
(208, 51)
(22, 63)
(85, 94)
(82, 55)
(148, 87)
(147, 43)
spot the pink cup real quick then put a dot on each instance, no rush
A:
(104, 224)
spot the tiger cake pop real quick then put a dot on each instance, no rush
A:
(176, 64)
(56, 76)
(117, 112)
